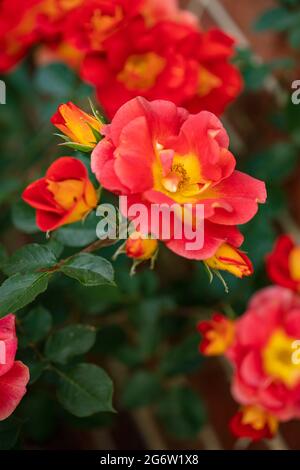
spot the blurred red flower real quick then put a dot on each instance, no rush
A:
(265, 372)
(253, 422)
(217, 335)
(283, 264)
(168, 61)
(17, 31)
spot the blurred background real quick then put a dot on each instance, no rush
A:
(168, 396)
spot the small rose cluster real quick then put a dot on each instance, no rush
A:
(125, 48)
(263, 348)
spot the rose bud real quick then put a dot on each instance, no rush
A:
(65, 195)
(83, 130)
(253, 422)
(228, 258)
(140, 249)
(218, 335)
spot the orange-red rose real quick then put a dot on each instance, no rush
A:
(65, 195)
(140, 248)
(263, 349)
(168, 61)
(156, 153)
(253, 422)
(228, 258)
(217, 335)
(283, 264)
(80, 127)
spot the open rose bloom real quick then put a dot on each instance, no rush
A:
(157, 153)
(262, 353)
(14, 375)
(169, 61)
(262, 348)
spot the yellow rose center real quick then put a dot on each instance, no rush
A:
(101, 25)
(294, 263)
(278, 359)
(53, 9)
(141, 71)
(66, 193)
(207, 82)
(183, 182)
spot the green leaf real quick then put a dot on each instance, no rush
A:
(78, 234)
(277, 19)
(85, 389)
(71, 341)
(23, 217)
(8, 187)
(142, 389)
(76, 146)
(275, 164)
(3, 257)
(30, 258)
(9, 432)
(255, 75)
(20, 290)
(182, 412)
(182, 359)
(56, 247)
(35, 364)
(36, 368)
(90, 270)
(55, 80)
(35, 326)
(294, 37)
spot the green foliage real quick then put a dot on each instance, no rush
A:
(71, 341)
(23, 217)
(21, 289)
(90, 270)
(85, 389)
(181, 412)
(9, 433)
(79, 234)
(35, 326)
(275, 164)
(256, 72)
(142, 389)
(183, 358)
(30, 258)
(282, 19)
